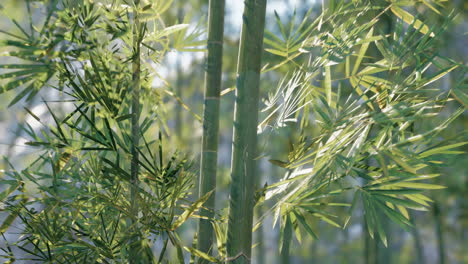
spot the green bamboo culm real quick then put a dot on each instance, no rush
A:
(244, 152)
(287, 239)
(211, 122)
(135, 111)
(179, 84)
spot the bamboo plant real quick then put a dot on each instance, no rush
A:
(360, 91)
(101, 187)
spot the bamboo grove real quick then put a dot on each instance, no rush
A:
(336, 99)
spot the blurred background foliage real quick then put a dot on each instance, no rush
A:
(441, 235)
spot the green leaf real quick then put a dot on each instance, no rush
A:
(460, 95)
(362, 52)
(14, 185)
(369, 213)
(400, 191)
(306, 226)
(440, 150)
(172, 29)
(395, 216)
(439, 75)
(328, 220)
(277, 52)
(410, 19)
(398, 201)
(190, 211)
(402, 163)
(279, 163)
(328, 86)
(15, 84)
(11, 217)
(23, 66)
(418, 198)
(16, 74)
(418, 185)
(22, 94)
(201, 254)
(351, 210)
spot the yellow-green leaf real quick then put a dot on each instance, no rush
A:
(362, 52)
(440, 150)
(191, 210)
(418, 185)
(410, 19)
(201, 254)
(277, 52)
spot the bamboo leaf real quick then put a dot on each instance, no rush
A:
(400, 191)
(411, 20)
(439, 75)
(362, 52)
(11, 217)
(172, 29)
(16, 83)
(190, 211)
(277, 52)
(306, 226)
(201, 254)
(398, 201)
(431, 6)
(417, 185)
(28, 90)
(14, 185)
(328, 86)
(23, 66)
(279, 163)
(403, 211)
(440, 150)
(351, 210)
(460, 95)
(397, 217)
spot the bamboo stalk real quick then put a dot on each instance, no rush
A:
(239, 241)
(209, 155)
(287, 239)
(178, 86)
(418, 245)
(260, 248)
(135, 125)
(439, 233)
(371, 249)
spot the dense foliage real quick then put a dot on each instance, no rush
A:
(357, 119)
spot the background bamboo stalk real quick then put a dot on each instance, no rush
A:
(135, 111)
(209, 155)
(178, 86)
(239, 241)
(439, 232)
(418, 245)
